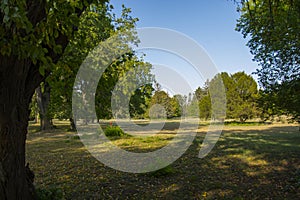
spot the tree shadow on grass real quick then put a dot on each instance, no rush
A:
(244, 164)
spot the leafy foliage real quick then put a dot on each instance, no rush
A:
(244, 97)
(128, 72)
(162, 105)
(140, 101)
(282, 100)
(241, 97)
(95, 26)
(273, 28)
(39, 31)
(114, 131)
(205, 107)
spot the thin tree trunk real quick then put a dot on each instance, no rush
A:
(72, 124)
(35, 118)
(43, 101)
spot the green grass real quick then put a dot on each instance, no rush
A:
(248, 162)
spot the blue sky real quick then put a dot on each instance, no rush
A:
(211, 23)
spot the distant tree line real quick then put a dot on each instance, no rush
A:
(244, 100)
(241, 98)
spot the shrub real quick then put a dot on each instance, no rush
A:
(114, 131)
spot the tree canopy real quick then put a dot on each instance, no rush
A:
(164, 106)
(241, 97)
(273, 29)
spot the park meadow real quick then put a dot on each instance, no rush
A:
(67, 65)
(251, 160)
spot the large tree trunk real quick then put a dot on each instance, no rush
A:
(43, 101)
(18, 81)
(16, 90)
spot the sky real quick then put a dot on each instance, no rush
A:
(211, 23)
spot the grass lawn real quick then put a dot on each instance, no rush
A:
(248, 162)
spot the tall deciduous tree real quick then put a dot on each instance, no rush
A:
(241, 96)
(273, 29)
(95, 26)
(33, 36)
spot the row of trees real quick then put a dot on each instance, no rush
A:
(149, 100)
(242, 98)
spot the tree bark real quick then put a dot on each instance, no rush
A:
(43, 101)
(16, 90)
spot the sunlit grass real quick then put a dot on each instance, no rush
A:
(139, 144)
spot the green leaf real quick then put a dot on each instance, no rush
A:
(42, 70)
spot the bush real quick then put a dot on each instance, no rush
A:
(114, 131)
